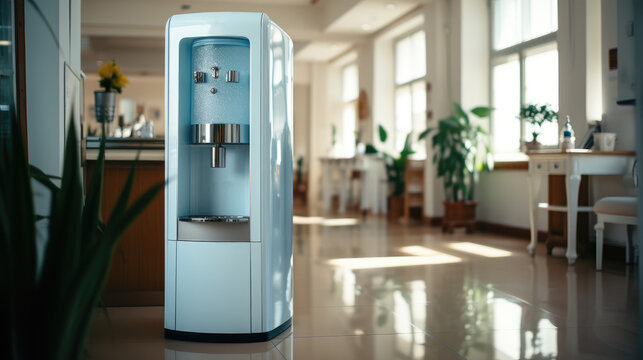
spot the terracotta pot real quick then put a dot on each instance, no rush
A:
(395, 207)
(459, 213)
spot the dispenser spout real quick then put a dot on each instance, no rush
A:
(218, 156)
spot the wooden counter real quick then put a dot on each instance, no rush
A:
(136, 276)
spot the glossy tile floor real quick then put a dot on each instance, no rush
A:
(365, 289)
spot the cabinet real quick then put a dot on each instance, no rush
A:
(136, 274)
(213, 287)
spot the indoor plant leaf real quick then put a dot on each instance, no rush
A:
(482, 111)
(383, 133)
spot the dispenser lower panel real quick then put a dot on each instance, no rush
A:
(213, 287)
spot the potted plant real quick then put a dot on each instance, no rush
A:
(49, 297)
(395, 170)
(457, 141)
(111, 78)
(537, 115)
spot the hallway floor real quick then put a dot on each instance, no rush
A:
(365, 289)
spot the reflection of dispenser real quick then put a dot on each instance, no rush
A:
(228, 266)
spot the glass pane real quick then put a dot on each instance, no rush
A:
(410, 58)
(419, 124)
(506, 101)
(403, 58)
(403, 115)
(418, 57)
(348, 129)
(541, 87)
(419, 96)
(541, 18)
(506, 23)
(516, 21)
(350, 83)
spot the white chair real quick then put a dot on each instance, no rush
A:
(618, 210)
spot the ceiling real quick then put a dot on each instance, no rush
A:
(320, 29)
(322, 51)
(370, 16)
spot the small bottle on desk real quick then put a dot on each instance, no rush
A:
(567, 138)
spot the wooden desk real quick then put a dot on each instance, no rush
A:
(572, 164)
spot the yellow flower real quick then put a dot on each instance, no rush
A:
(120, 80)
(107, 71)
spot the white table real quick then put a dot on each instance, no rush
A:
(337, 180)
(572, 164)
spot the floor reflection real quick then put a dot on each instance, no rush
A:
(375, 291)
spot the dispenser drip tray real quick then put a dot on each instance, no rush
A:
(215, 218)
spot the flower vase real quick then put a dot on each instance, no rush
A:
(104, 105)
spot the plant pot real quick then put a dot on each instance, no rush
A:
(533, 145)
(104, 105)
(459, 213)
(395, 207)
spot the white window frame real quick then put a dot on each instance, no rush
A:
(408, 84)
(520, 49)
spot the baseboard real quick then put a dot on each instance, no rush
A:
(432, 220)
(494, 228)
(513, 231)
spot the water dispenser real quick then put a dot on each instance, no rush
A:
(228, 160)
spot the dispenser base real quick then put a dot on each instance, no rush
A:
(227, 338)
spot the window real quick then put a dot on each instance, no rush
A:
(524, 70)
(350, 93)
(8, 89)
(410, 92)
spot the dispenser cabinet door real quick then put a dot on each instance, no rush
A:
(213, 287)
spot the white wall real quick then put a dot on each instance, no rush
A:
(319, 130)
(439, 99)
(45, 57)
(383, 90)
(301, 122)
(474, 54)
(618, 119)
(301, 112)
(366, 68)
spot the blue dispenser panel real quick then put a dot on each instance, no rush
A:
(215, 98)
(223, 191)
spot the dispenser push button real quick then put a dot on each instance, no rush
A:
(232, 76)
(199, 77)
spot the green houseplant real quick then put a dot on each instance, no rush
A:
(456, 142)
(395, 171)
(537, 115)
(396, 165)
(48, 301)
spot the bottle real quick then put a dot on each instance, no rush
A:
(567, 138)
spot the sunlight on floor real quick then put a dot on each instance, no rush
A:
(317, 220)
(419, 250)
(392, 261)
(477, 249)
